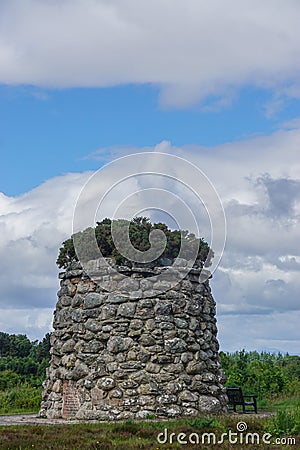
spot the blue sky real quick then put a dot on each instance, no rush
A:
(216, 83)
(52, 132)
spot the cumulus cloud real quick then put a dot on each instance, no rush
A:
(224, 46)
(34, 322)
(257, 281)
(283, 194)
(33, 227)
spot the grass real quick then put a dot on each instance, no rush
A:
(281, 402)
(128, 435)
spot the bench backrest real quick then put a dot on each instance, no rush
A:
(235, 396)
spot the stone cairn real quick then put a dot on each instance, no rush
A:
(138, 351)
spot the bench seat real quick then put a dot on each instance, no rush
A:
(237, 398)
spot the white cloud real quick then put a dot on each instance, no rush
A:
(34, 322)
(33, 227)
(258, 280)
(224, 46)
(274, 332)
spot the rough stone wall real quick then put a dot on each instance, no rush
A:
(144, 354)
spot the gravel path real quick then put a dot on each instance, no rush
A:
(33, 419)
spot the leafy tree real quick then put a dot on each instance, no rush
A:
(14, 345)
(262, 373)
(4, 344)
(23, 358)
(66, 254)
(20, 345)
(42, 350)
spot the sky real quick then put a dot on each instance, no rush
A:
(84, 82)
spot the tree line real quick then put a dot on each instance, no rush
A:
(22, 360)
(264, 374)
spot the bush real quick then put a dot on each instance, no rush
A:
(284, 423)
(8, 379)
(22, 397)
(139, 230)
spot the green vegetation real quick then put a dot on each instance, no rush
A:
(273, 377)
(23, 398)
(139, 230)
(22, 371)
(284, 423)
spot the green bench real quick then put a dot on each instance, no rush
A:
(237, 398)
